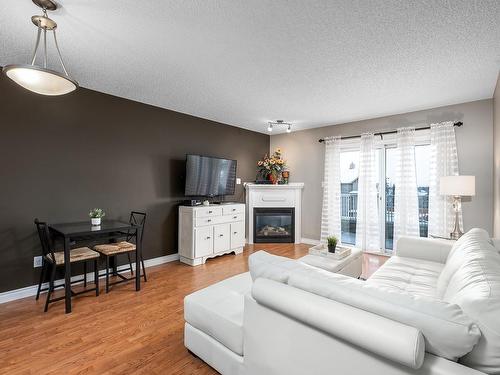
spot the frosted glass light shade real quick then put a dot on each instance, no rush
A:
(39, 80)
(458, 185)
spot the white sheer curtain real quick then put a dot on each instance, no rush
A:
(330, 215)
(367, 218)
(443, 162)
(406, 198)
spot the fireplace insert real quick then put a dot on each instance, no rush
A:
(274, 225)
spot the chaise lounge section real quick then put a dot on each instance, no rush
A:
(433, 308)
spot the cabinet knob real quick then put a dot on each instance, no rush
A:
(221, 235)
(208, 238)
(235, 232)
(209, 220)
(234, 209)
(209, 212)
(235, 217)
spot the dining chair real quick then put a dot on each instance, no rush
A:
(124, 247)
(52, 259)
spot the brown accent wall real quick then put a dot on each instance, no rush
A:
(61, 156)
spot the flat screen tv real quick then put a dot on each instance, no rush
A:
(209, 177)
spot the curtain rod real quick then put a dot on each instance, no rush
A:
(458, 123)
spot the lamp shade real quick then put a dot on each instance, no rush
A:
(40, 80)
(458, 185)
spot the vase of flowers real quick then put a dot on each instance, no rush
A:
(96, 214)
(271, 167)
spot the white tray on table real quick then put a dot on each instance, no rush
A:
(341, 252)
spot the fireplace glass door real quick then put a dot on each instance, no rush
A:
(274, 225)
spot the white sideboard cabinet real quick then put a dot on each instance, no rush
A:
(209, 231)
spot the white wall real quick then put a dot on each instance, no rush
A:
(496, 147)
(475, 150)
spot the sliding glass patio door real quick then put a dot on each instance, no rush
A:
(386, 162)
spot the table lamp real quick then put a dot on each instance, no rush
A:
(457, 187)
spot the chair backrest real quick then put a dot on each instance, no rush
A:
(137, 218)
(45, 239)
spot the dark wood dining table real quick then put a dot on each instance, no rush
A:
(85, 232)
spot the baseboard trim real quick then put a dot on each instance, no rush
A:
(29, 291)
(309, 241)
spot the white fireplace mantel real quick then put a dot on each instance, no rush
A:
(263, 195)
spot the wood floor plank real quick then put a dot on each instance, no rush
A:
(122, 332)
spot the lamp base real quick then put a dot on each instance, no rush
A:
(457, 205)
(456, 235)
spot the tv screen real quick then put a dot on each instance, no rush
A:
(209, 177)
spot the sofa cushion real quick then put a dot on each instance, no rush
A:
(475, 287)
(448, 332)
(273, 267)
(459, 254)
(414, 276)
(218, 310)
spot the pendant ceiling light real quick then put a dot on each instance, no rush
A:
(37, 78)
(272, 124)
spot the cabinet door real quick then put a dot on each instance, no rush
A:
(222, 239)
(204, 241)
(237, 234)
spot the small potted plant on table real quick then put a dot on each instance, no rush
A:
(332, 243)
(96, 214)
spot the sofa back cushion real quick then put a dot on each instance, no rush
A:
(448, 332)
(475, 287)
(460, 253)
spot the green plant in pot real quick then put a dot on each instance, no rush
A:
(332, 243)
(96, 214)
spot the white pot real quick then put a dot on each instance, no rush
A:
(95, 220)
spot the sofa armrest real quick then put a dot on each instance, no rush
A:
(387, 338)
(431, 249)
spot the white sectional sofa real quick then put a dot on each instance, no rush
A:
(434, 308)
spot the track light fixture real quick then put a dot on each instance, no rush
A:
(271, 125)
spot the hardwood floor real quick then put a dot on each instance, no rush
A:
(122, 332)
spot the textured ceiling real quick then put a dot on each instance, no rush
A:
(244, 62)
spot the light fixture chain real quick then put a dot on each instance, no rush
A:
(59, 54)
(33, 58)
(45, 48)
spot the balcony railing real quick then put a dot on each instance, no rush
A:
(349, 204)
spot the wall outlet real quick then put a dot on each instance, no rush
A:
(238, 181)
(37, 262)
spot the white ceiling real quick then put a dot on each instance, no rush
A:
(244, 62)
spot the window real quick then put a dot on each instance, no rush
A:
(390, 173)
(422, 171)
(349, 162)
(422, 154)
(386, 160)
